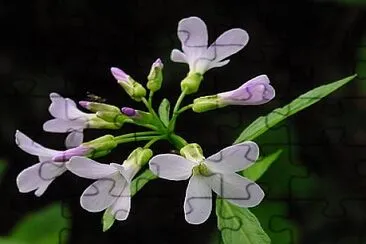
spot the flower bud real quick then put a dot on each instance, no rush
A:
(155, 77)
(191, 83)
(134, 89)
(203, 104)
(98, 123)
(140, 117)
(192, 152)
(95, 107)
(112, 117)
(95, 148)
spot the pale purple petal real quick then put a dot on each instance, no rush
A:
(128, 172)
(120, 209)
(103, 193)
(76, 151)
(198, 201)
(178, 57)
(130, 112)
(31, 147)
(233, 158)
(192, 32)
(230, 42)
(64, 108)
(218, 64)
(74, 139)
(171, 167)
(236, 189)
(119, 74)
(39, 176)
(88, 168)
(62, 126)
(254, 92)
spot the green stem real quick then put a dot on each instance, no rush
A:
(152, 141)
(151, 93)
(121, 140)
(171, 125)
(137, 134)
(143, 125)
(185, 108)
(177, 141)
(152, 111)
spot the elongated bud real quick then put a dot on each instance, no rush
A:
(134, 89)
(192, 152)
(95, 107)
(140, 117)
(203, 104)
(155, 77)
(113, 117)
(97, 123)
(191, 83)
(95, 148)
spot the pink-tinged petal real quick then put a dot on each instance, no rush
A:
(198, 201)
(178, 57)
(74, 139)
(230, 42)
(119, 74)
(121, 208)
(130, 112)
(103, 193)
(64, 108)
(254, 92)
(158, 64)
(62, 126)
(76, 151)
(171, 167)
(39, 176)
(31, 147)
(236, 189)
(192, 32)
(88, 168)
(233, 158)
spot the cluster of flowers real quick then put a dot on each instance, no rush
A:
(112, 189)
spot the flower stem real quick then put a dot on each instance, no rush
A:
(152, 111)
(185, 108)
(177, 141)
(151, 93)
(120, 140)
(152, 141)
(137, 134)
(171, 125)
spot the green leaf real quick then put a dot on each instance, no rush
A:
(108, 220)
(255, 171)
(238, 225)
(43, 227)
(164, 110)
(263, 123)
(141, 181)
(136, 185)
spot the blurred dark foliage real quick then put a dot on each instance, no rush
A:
(69, 46)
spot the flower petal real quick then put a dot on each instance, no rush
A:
(121, 208)
(236, 189)
(192, 32)
(39, 176)
(198, 201)
(253, 92)
(31, 147)
(177, 56)
(61, 125)
(88, 168)
(64, 108)
(230, 42)
(218, 64)
(74, 139)
(102, 193)
(234, 158)
(171, 167)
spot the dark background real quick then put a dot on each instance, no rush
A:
(316, 190)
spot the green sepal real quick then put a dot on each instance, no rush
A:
(140, 156)
(203, 104)
(95, 107)
(191, 83)
(113, 117)
(155, 79)
(107, 220)
(192, 152)
(98, 123)
(134, 89)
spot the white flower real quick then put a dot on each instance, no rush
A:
(112, 188)
(216, 173)
(68, 118)
(39, 176)
(192, 33)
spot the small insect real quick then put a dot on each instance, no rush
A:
(94, 98)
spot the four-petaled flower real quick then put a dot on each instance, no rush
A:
(192, 33)
(216, 173)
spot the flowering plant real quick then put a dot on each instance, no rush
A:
(230, 173)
